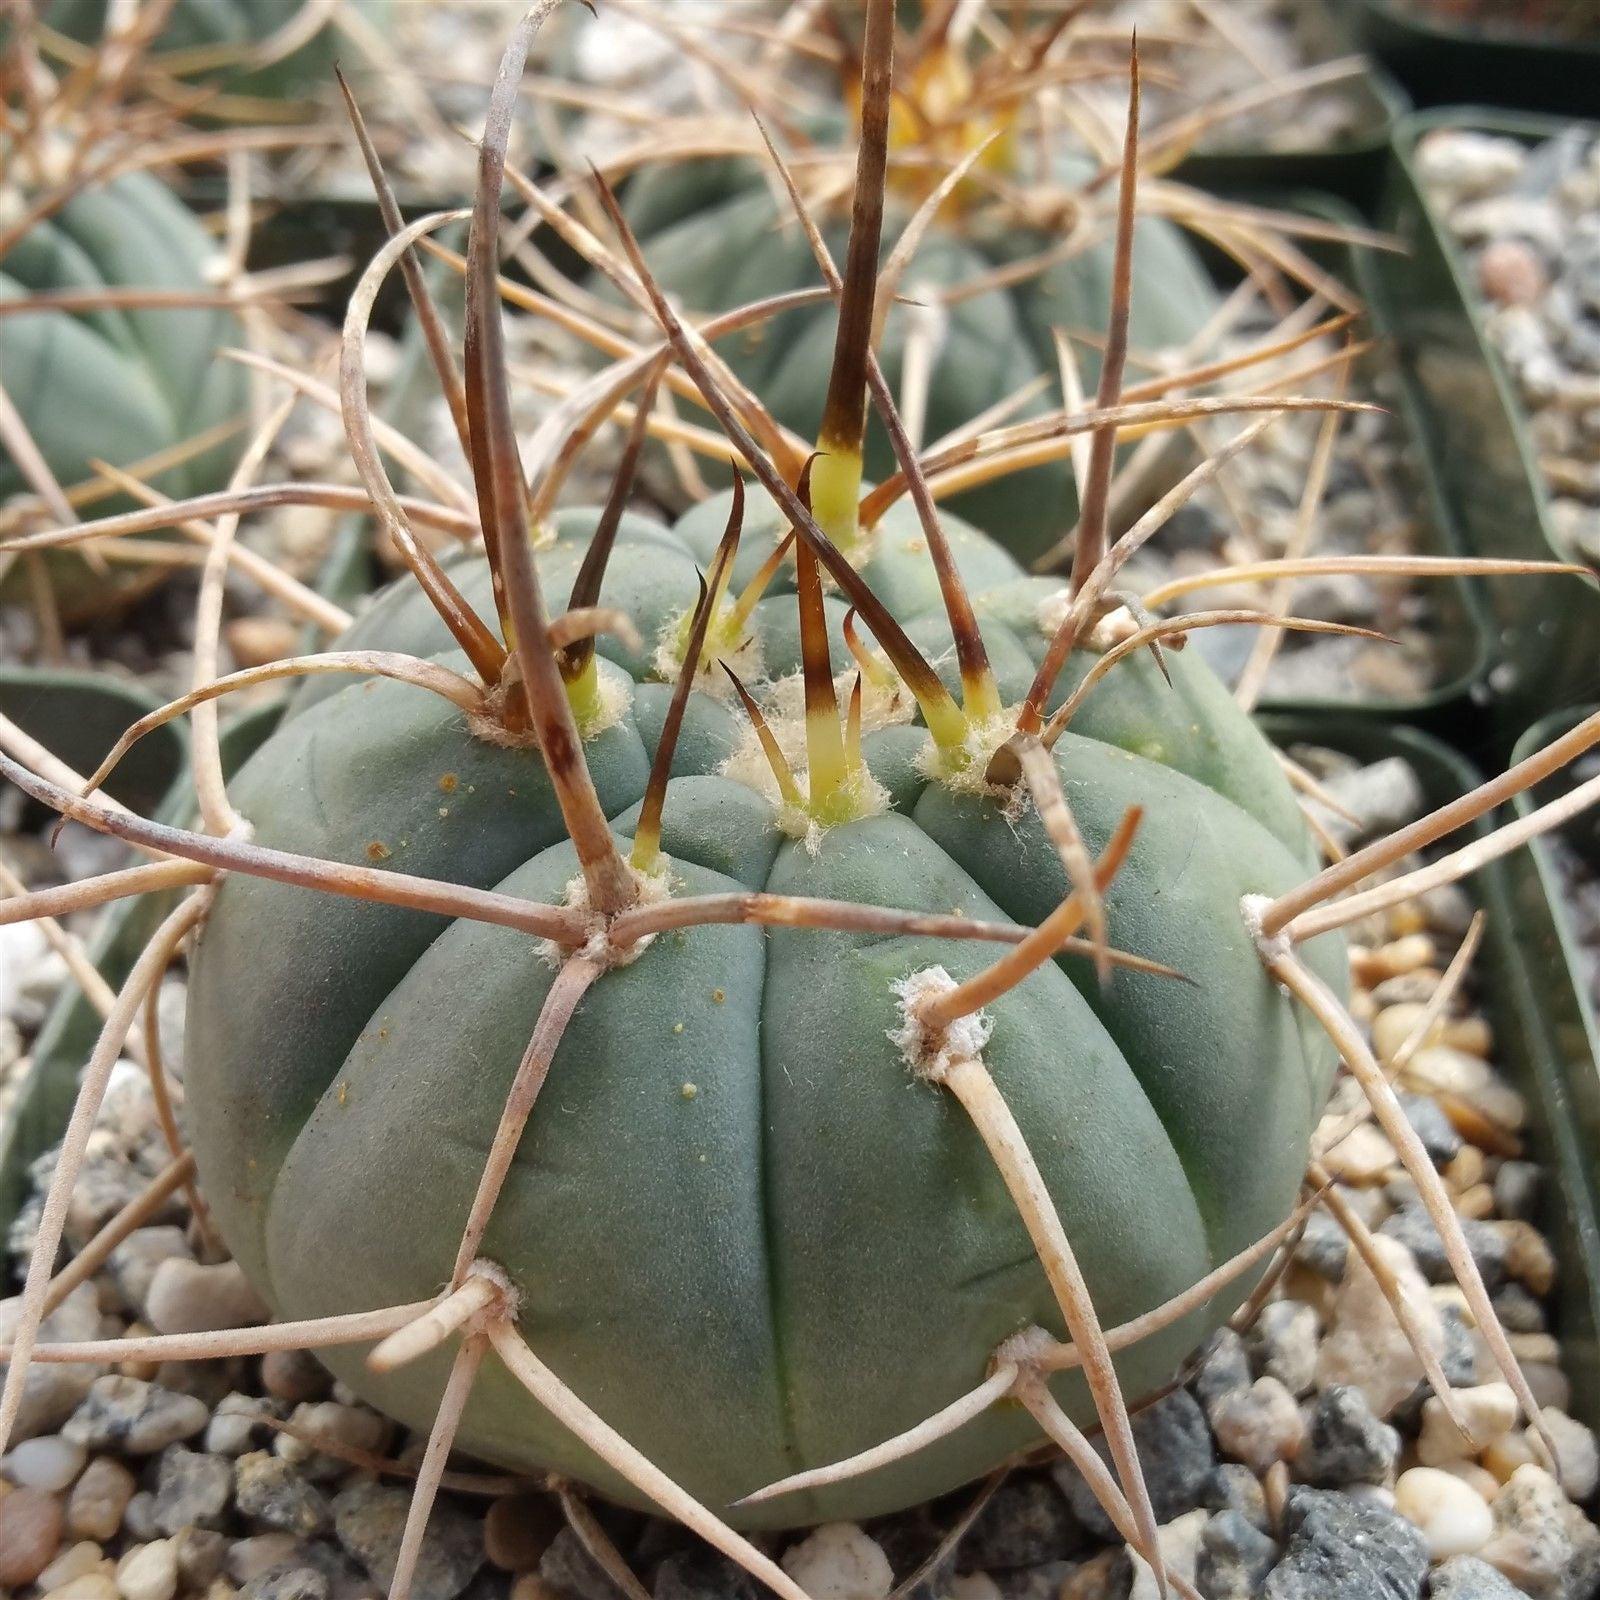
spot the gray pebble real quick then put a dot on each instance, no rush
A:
(1341, 1547)
(1283, 1345)
(1323, 1247)
(1415, 1230)
(133, 1416)
(703, 1574)
(1177, 1454)
(286, 1583)
(200, 1552)
(1468, 1578)
(192, 1490)
(1231, 1486)
(370, 1518)
(1026, 1521)
(572, 1572)
(1345, 1442)
(139, 1518)
(1519, 1310)
(1224, 1367)
(1235, 1558)
(1516, 1191)
(272, 1494)
(1432, 1126)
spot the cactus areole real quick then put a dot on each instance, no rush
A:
(741, 1224)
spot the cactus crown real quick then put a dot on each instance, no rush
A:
(536, 681)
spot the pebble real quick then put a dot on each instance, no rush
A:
(1027, 1521)
(48, 1462)
(1179, 1544)
(1365, 1346)
(134, 1262)
(1516, 1190)
(518, 1529)
(91, 1586)
(1577, 1463)
(287, 1583)
(705, 1574)
(1468, 1578)
(1453, 1516)
(30, 1535)
(1345, 1443)
(839, 1562)
(354, 1427)
(1283, 1345)
(99, 1498)
(201, 1552)
(1340, 1548)
(76, 1561)
(1259, 1425)
(294, 1375)
(1176, 1452)
(272, 1493)
(1489, 1244)
(53, 1391)
(569, 1572)
(246, 1558)
(1235, 1558)
(370, 1518)
(1490, 1412)
(1538, 1534)
(236, 1428)
(192, 1490)
(1323, 1248)
(1223, 1367)
(136, 1417)
(149, 1572)
(1231, 1487)
(186, 1297)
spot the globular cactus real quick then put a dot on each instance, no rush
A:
(1025, 220)
(780, 1077)
(114, 384)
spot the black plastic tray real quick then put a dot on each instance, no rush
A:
(1477, 435)
(1443, 64)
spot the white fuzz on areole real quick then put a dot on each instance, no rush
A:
(932, 1052)
(1273, 947)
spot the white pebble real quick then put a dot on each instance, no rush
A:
(186, 1297)
(74, 1562)
(149, 1571)
(839, 1562)
(1489, 1411)
(1179, 1544)
(1577, 1463)
(49, 1463)
(1365, 1345)
(1452, 1515)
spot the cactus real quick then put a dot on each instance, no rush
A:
(716, 237)
(111, 384)
(779, 1075)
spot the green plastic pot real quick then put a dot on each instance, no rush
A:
(1544, 1032)
(1444, 63)
(1477, 437)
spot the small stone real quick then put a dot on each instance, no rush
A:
(1323, 1248)
(91, 1586)
(1538, 1534)
(272, 1493)
(248, 1557)
(705, 1574)
(1177, 1455)
(1345, 1443)
(30, 1534)
(134, 1262)
(139, 1520)
(1231, 1487)
(200, 1556)
(1519, 1311)
(1108, 1576)
(1026, 1522)
(370, 1519)
(1365, 1346)
(294, 1375)
(1529, 1258)
(149, 1572)
(1453, 1516)
(1468, 1578)
(1432, 1127)
(518, 1530)
(82, 1558)
(192, 1490)
(133, 1416)
(286, 1583)
(1577, 1463)
(49, 1463)
(1283, 1345)
(1179, 1544)
(1489, 1411)
(1363, 1157)
(186, 1297)
(1516, 1190)
(236, 1427)
(1259, 1425)
(352, 1426)
(1342, 1548)
(1511, 273)
(54, 1390)
(1235, 1558)
(99, 1498)
(1223, 1367)
(1413, 1227)
(839, 1562)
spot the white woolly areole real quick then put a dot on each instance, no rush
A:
(652, 887)
(932, 1052)
(709, 678)
(1025, 1349)
(510, 1301)
(1253, 908)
